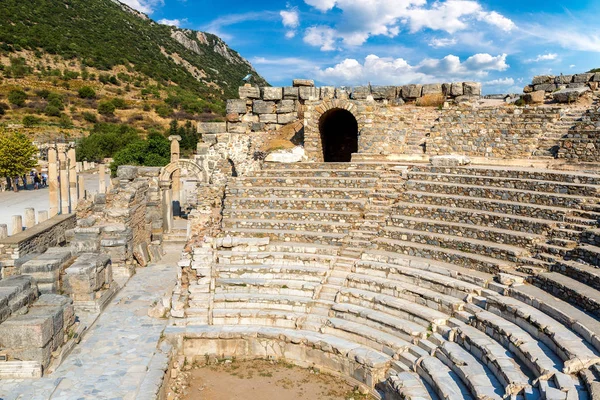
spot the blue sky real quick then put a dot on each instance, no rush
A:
(502, 43)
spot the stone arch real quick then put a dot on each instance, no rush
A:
(167, 171)
(338, 129)
(314, 117)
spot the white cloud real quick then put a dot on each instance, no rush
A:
(500, 82)
(575, 37)
(398, 71)
(145, 6)
(291, 20)
(362, 19)
(543, 57)
(321, 36)
(497, 20)
(572, 66)
(437, 43)
(282, 68)
(216, 26)
(172, 22)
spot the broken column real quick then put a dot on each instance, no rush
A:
(72, 166)
(17, 224)
(176, 177)
(53, 181)
(102, 179)
(3, 231)
(167, 207)
(80, 187)
(63, 180)
(42, 216)
(29, 218)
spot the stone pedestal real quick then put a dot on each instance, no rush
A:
(29, 218)
(176, 177)
(80, 187)
(72, 166)
(64, 181)
(3, 231)
(102, 179)
(42, 216)
(167, 210)
(17, 224)
(53, 181)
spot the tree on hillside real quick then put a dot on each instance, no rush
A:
(17, 97)
(104, 141)
(16, 156)
(153, 152)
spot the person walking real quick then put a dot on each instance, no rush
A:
(36, 181)
(44, 180)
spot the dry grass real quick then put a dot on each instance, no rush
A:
(431, 100)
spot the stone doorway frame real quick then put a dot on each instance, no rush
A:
(312, 115)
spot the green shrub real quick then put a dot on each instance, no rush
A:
(106, 108)
(52, 111)
(65, 121)
(104, 141)
(17, 97)
(90, 117)
(43, 93)
(164, 110)
(86, 92)
(119, 103)
(30, 120)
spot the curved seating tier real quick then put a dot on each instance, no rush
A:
(425, 287)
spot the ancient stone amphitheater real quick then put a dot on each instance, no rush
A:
(420, 280)
(447, 252)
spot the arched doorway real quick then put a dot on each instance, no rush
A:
(339, 135)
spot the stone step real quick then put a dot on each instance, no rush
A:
(306, 180)
(396, 306)
(510, 183)
(580, 272)
(303, 214)
(285, 192)
(575, 292)
(286, 224)
(326, 238)
(260, 317)
(20, 370)
(586, 253)
(461, 258)
(487, 248)
(294, 203)
(496, 193)
(445, 383)
(408, 385)
(497, 235)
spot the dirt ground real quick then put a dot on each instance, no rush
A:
(262, 380)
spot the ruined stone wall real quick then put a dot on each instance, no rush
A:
(37, 239)
(582, 142)
(551, 83)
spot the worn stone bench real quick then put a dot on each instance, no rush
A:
(309, 215)
(306, 348)
(445, 384)
(406, 385)
(89, 274)
(307, 181)
(294, 203)
(16, 294)
(46, 269)
(298, 304)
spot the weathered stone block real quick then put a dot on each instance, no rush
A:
(291, 93)
(212, 127)
(432, 89)
(140, 253)
(236, 127)
(271, 93)
(284, 119)
(126, 172)
(360, 92)
(249, 92)
(309, 93)
(58, 301)
(303, 83)
(33, 329)
(383, 92)
(596, 77)
(563, 79)
(583, 78)
(472, 88)
(286, 106)
(576, 85)
(263, 107)
(546, 87)
(457, 89)
(569, 95)
(542, 79)
(341, 94)
(446, 89)
(327, 92)
(528, 89)
(534, 97)
(412, 91)
(235, 106)
(268, 118)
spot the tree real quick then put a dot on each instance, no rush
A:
(17, 97)
(153, 152)
(16, 155)
(104, 141)
(86, 92)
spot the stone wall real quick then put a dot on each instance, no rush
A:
(582, 142)
(551, 83)
(37, 239)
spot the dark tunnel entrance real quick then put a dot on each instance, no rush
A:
(339, 135)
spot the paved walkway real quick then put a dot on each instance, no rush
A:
(118, 358)
(12, 203)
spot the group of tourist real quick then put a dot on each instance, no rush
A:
(37, 179)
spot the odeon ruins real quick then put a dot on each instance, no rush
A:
(426, 252)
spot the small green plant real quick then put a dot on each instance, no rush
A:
(87, 92)
(65, 121)
(17, 97)
(106, 108)
(30, 120)
(119, 103)
(52, 111)
(90, 117)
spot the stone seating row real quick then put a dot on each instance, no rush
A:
(308, 181)
(16, 294)
(294, 203)
(514, 172)
(579, 189)
(46, 268)
(506, 194)
(306, 215)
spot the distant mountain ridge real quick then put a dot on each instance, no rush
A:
(105, 33)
